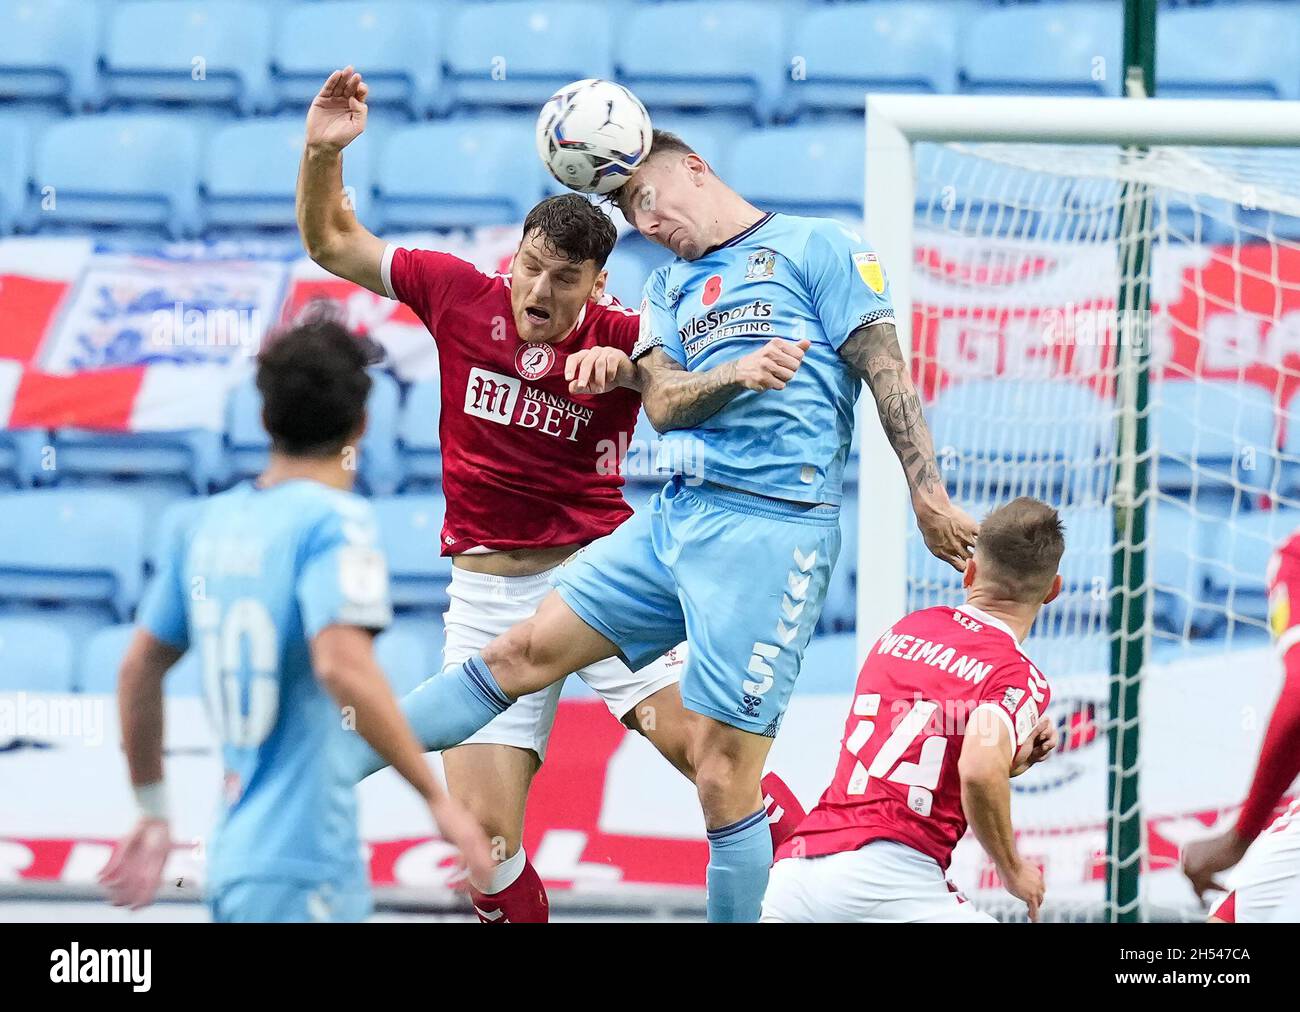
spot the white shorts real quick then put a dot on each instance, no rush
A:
(882, 882)
(1265, 887)
(483, 607)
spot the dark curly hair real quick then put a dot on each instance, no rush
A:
(572, 227)
(314, 385)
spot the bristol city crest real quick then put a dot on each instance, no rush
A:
(533, 361)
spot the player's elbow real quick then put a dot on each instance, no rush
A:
(340, 656)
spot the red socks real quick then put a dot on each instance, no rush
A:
(523, 901)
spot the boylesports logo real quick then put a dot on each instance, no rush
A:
(753, 319)
(533, 361)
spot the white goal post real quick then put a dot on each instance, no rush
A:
(1002, 221)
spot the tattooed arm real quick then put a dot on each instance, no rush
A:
(873, 353)
(675, 398)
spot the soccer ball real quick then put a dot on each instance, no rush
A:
(592, 134)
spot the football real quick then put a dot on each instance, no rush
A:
(592, 134)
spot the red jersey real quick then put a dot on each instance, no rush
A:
(526, 464)
(1279, 756)
(897, 776)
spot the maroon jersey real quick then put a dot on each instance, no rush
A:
(526, 464)
(918, 690)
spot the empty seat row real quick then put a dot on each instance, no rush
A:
(759, 57)
(166, 174)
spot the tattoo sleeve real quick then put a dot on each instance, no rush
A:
(675, 398)
(873, 353)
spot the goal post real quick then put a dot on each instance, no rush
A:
(1023, 237)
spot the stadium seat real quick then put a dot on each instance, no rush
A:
(1215, 440)
(912, 47)
(1239, 554)
(815, 170)
(407, 659)
(35, 656)
(1063, 49)
(250, 173)
(1178, 554)
(177, 515)
(628, 270)
(15, 173)
(71, 546)
(997, 439)
(121, 169)
(517, 53)
(189, 51)
(410, 528)
(101, 659)
(48, 51)
(458, 174)
(418, 441)
(183, 462)
(1246, 50)
(714, 55)
(22, 452)
(248, 445)
(396, 45)
(711, 135)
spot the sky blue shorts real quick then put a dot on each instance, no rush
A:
(742, 578)
(287, 901)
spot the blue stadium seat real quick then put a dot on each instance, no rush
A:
(1178, 554)
(1064, 49)
(71, 546)
(721, 54)
(627, 275)
(1240, 553)
(815, 170)
(15, 173)
(248, 445)
(517, 53)
(407, 658)
(48, 51)
(397, 46)
(190, 51)
(101, 659)
(418, 441)
(829, 666)
(1246, 50)
(410, 528)
(250, 173)
(35, 656)
(177, 515)
(458, 174)
(997, 439)
(22, 453)
(184, 461)
(1215, 439)
(912, 47)
(712, 136)
(121, 169)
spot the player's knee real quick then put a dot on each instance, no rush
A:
(722, 782)
(516, 656)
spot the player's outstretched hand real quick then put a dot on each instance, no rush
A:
(598, 370)
(1025, 882)
(135, 868)
(1204, 859)
(949, 533)
(338, 113)
(773, 365)
(463, 832)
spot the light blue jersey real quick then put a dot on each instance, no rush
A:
(249, 584)
(787, 277)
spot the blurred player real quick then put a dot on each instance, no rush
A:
(280, 585)
(1266, 886)
(946, 710)
(754, 343)
(527, 475)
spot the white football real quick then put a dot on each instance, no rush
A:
(592, 134)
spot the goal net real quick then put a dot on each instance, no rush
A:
(1110, 324)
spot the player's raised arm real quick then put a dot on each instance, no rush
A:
(330, 231)
(874, 353)
(984, 767)
(344, 661)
